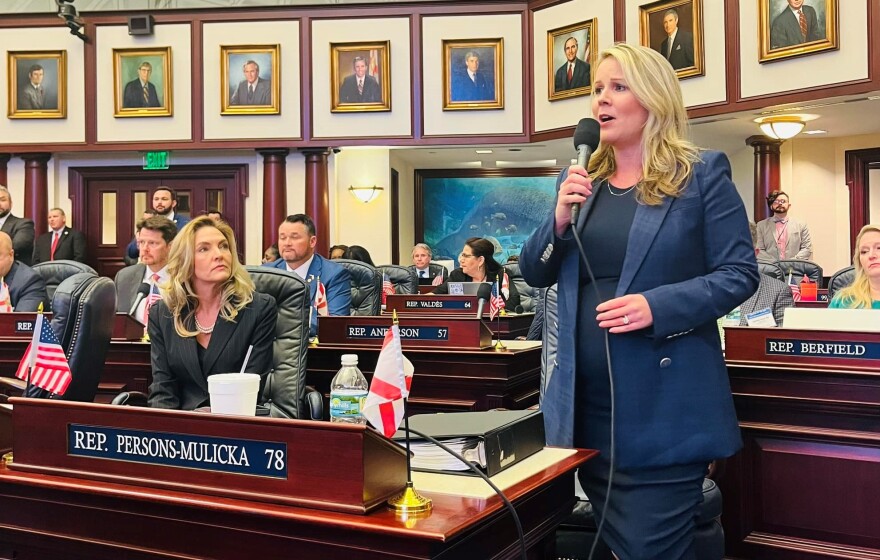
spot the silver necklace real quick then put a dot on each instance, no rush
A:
(612, 193)
(204, 330)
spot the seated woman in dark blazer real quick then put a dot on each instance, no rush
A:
(208, 317)
(864, 292)
(476, 264)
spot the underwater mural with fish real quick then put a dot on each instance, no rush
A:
(502, 205)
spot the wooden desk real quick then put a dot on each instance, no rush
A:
(807, 483)
(57, 518)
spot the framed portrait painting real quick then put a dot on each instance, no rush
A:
(473, 74)
(142, 82)
(570, 57)
(250, 80)
(789, 28)
(37, 84)
(674, 28)
(360, 77)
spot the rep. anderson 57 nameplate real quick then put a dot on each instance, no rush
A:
(241, 456)
(823, 348)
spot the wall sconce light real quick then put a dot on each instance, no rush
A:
(365, 194)
(781, 127)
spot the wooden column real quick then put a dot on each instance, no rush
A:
(4, 178)
(766, 171)
(36, 190)
(274, 193)
(318, 196)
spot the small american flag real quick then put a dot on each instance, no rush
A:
(321, 299)
(5, 302)
(439, 278)
(387, 287)
(496, 302)
(795, 288)
(45, 357)
(152, 298)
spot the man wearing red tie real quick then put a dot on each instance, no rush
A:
(575, 73)
(794, 25)
(154, 241)
(60, 242)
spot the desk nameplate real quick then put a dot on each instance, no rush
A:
(425, 332)
(810, 348)
(428, 304)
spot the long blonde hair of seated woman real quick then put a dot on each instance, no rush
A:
(858, 294)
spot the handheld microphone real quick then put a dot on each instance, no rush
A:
(586, 140)
(142, 292)
(484, 292)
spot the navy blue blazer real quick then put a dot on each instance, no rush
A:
(692, 258)
(337, 284)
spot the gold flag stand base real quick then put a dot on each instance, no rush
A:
(313, 342)
(499, 346)
(409, 501)
(7, 458)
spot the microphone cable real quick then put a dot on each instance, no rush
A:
(481, 474)
(601, 524)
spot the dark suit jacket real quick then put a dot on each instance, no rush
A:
(692, 258)
(179, 380)
(465, 89)
(131, 251)
(21, 230)
(457, 275)
(30, 100)
(348, 93)
(127, 281)
(133, 95)
(262, 93)
(71, 246)
(682, 55)
(580, 76)
(785, 30)
(27, 290)
(337, 285)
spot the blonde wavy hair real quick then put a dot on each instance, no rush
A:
(667, 155)
(178, 293)
(858, 294)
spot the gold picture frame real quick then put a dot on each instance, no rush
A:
(142, 82)
(360, 77)
(779, 30)
(37, 82)
(571, 46)
(486, 89)
(683, 19)
(250, 79)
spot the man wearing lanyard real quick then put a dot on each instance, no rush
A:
(781, 237)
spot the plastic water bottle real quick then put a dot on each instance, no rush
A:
(348, 392)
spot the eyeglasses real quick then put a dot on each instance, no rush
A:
(465, 256)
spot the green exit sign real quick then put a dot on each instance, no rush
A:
(157, 160)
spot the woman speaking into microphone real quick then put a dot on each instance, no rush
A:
(667, 241)
(207, 319)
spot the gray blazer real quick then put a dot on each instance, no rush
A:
(797, 246)
(127, 282)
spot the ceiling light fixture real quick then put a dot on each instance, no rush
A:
(365, 194)
(781, 127)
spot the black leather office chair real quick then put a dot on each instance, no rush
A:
(55, 272)
(404, 279)
(366, 287)
(799, 268)
(771, 270)
(84, 305)
(841, 279)
(285, 392)
(527, 294)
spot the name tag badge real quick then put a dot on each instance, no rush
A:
(761, 318)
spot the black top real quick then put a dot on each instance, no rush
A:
(457, 275)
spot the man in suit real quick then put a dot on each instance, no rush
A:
(21, 230)
(575, 73)
(781, 237)
(359, 87)
(296, 243)
(154, 240)
(471, 85)
(771, 294)
(141, 92)
(794, 25)
(164, 204)
(678, 46)
(253, 90)
(27, 290)
(421, 257)
(32, 96)
(60, 242)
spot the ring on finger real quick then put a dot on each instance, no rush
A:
(626, 319)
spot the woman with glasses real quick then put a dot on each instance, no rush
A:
(476, 264)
